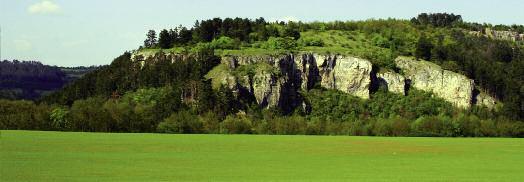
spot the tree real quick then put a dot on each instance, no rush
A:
(424, 47)
(185, 35)
(90, 115)
(59, 119)
(164, 39)
(150, 41)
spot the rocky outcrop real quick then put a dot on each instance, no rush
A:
(483, 99)
(392, 81)
(504, 35)
(347, 74)
(277, 80)
(427, 76)
(499, 34)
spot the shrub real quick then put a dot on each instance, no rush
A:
(59, 119)
(359, 128)
(510, 129)
(399, 127)
(236, 125)
(469, 125)
(210, 122)
(488, 128)
(224, 43)
(181, 122)
(310, 41)
(291, 125)
(427, 126)
(382, 127)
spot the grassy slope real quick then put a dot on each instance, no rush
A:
(56, 156)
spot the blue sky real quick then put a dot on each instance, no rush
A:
(93, 32)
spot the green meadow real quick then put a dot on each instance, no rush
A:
(69, 156)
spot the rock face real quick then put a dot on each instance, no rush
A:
(394, 82)
(277, 80)
(483, 99)
(347, 74)
(426, 76)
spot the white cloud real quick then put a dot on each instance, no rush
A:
(287, 19)
(22, 45)
(44, 7)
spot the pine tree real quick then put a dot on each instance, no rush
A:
(151, 39)
(164, 40)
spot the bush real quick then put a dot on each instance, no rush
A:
(292, 125)
(224, 43)
(181, 122)
(399, 127)
(488, 128)
(359, 128)
(311, 41)
(210, 122)
(428, 126)
(382, 127)
(236, 125)
(510, 129)
(59, 119)
(469, 125)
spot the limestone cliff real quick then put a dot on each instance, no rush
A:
(394, 82)
(427, 76)
(347, 74)
(277, 80)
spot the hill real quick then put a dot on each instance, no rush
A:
(31, 79)
(434, 75)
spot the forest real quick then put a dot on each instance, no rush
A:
(175, 96)
(31, 79)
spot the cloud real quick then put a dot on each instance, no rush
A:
(44, 7)
(287, 19)
(22, 45)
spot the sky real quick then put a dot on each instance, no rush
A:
(93, 32)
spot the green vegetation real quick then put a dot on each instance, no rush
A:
(58, 156)
(151, 95)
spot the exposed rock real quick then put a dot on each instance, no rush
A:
(266, 89)
(308, 70)
(427, 76)
(483, 99)
(347, 74)
(277, 80)
(394, 82)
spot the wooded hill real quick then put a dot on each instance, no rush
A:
(164, 86)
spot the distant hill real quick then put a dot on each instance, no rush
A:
(431, 76)
(31, 79)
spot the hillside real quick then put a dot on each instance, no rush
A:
(30, 79)
(430, 76)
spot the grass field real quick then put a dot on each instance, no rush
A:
(60, 156)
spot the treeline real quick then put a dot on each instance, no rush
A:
(242, 30)
(31, 79)
(437, 19)
(332, 113)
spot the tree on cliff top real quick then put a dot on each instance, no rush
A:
(151, 39)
